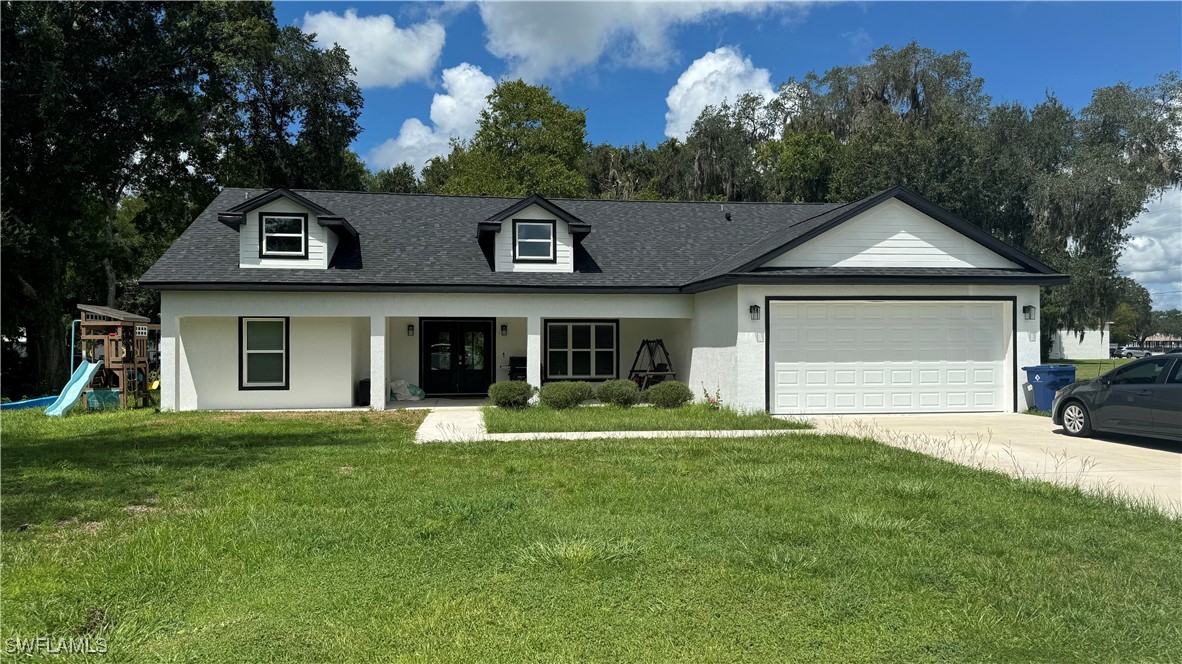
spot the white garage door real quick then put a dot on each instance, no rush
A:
(887, 356)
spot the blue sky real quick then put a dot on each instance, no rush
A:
(643, 71)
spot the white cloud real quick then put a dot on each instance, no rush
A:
(722, 74)
(859, 40)
(383, 53)
(454, 114)
(1153, 257)
(549, 39)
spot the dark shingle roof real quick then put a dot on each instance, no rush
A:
(429, 243)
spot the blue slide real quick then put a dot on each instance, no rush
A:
(74, 389)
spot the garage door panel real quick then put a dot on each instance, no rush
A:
(897, 356)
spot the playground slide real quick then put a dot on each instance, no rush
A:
(74, 389)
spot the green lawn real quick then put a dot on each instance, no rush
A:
(1089, 369)
(210, 538)
(639, 418)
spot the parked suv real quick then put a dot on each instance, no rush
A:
(1133, 351)
(1143, 398)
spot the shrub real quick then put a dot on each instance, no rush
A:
(669, 394)
(511, 393)
(622, 393)
(565, 394)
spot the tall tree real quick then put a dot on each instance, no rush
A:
(527, 142)
(102, 101)
(400, 179)
(296, 115)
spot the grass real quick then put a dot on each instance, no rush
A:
(1090, 369)
(1035, 411)
(333, 537)
(639, 418)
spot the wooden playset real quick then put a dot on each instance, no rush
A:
(126, 344)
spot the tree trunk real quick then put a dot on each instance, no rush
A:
(47, 343)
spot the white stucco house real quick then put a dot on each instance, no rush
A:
(289, 299)
(1092, 344)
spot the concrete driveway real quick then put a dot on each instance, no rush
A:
(1031, 446)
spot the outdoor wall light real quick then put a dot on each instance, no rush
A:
(504, 330)
(410, 330)
(1028, 312)
(754, 311)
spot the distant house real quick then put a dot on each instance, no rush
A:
(1092, 345)
(1162, 342)
(290, 299)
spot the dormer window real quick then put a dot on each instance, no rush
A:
(283, 235)
(534, 242)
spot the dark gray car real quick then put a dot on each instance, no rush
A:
(1143, 398)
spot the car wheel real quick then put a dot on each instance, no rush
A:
(1075, 419)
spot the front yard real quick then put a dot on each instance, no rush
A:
(638, 418)
(332, 537)
(1090, 369)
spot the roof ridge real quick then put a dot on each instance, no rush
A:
(551, 198)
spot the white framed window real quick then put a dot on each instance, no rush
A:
(283, 235)
(581, 350)
(263, 357)
(534, 242)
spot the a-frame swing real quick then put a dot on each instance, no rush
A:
(652, 364)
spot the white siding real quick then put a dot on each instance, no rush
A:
(1066, 345)
(503, 247)
(321, 241)
(891, 234)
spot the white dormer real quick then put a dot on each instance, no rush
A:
(534, 235)
(283, 230)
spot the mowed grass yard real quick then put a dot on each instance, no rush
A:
(1090, 369)
(332, 537)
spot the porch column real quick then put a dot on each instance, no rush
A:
(533, 350)
(377, 362)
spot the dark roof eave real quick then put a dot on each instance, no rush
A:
(755, 278)
(162, 285)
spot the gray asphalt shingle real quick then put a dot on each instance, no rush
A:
(422, 242)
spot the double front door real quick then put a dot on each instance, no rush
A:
(457, 357)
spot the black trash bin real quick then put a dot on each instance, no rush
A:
(362, 396)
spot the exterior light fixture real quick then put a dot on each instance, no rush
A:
(410, 330)
(1028, 312)
(504, 330)
(754, 311)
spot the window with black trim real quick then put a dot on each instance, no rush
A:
(264, 354)
(283, 235)
(534, 241)
(581, 350)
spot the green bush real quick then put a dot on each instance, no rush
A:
(669, 394)
(565, 394)
(623, 393)
(511, 393)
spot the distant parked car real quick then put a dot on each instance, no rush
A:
(1133, 351)
(1113, 350)
(1143, 398)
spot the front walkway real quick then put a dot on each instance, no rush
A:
(1024, 446)
(466, 424)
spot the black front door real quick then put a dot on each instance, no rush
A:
(457, 356)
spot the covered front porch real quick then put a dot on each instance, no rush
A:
(455, 358)
(251, 351)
